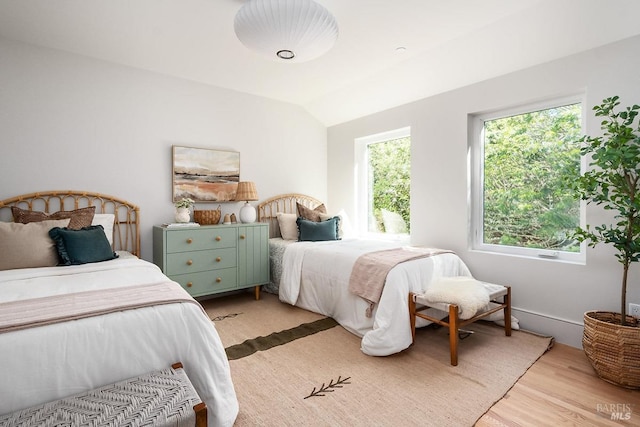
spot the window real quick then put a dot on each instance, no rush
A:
(383, 183)
(520, 205)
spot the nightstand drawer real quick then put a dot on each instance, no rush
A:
(192, 262)
(199, 238)
(208, 282)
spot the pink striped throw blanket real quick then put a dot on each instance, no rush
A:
(370, 270)
(34, 312)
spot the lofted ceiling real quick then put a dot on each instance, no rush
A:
(448, 44)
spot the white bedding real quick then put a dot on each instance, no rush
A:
(50, 362)
(315, 277)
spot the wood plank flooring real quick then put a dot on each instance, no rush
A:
(561, 389)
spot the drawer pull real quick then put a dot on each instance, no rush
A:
(189, 262)
(218, 259)
(189, 284)
(218, 280)
(242, 236)
(218, 238)
(189, 241)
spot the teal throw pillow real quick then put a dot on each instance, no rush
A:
(311, 231)
(89, 244)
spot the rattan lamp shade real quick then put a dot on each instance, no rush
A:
(247, 191)
(289, 30)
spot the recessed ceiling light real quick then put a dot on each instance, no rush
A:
(401, 49)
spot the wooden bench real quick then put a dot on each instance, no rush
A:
(161, 398)
(498, 294)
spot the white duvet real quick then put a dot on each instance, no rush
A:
(50, 362)
(315, 276)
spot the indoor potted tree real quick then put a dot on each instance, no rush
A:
(612, 340)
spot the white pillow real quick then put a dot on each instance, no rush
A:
(288, 226)
(344, 228)
(106, 221)
(393, 222)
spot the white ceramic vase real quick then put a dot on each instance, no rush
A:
(183, 215)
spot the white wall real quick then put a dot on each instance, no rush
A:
(71, 122)
(549, 297)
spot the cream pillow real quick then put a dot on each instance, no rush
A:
(344, 227)
(288, 226)
(393, 222)
(28, 245)
(106, 221)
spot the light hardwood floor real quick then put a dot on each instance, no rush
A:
(561, 389)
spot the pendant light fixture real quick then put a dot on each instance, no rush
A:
(286, 30)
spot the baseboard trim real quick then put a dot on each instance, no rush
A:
(564, 331)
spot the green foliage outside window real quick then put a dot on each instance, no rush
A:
(526, 157)
(390, 179)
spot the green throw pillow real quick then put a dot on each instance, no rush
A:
(89, 244)
(311, 231)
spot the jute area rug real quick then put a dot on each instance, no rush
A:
(291, 367)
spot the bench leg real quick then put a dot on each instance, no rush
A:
(201, 414)
(507, 312)
(412, 317)
(453, 334)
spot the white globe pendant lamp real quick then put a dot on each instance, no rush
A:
(286, 30)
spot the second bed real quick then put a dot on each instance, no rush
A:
(314, 275)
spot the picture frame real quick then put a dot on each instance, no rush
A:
(205, 175)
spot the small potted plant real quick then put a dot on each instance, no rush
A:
(612, 340)
(183, 213)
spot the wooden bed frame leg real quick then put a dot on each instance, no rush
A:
(507, 312)
(412, 317)
(453, 334)
(257, 292)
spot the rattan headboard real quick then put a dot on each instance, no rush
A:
(126, 228)
(285, 203)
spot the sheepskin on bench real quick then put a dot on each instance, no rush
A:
(468, 294)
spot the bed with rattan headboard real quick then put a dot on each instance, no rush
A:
(126, 227)
(317, 275)
(73, 327)
(285, 203)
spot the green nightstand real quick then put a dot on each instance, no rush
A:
(211, 259)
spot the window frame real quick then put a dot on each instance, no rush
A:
(362, 183)
(476, 182)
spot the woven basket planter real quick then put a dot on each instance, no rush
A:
(207, 217)
(612, 349)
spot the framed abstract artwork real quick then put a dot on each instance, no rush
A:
(205, 175)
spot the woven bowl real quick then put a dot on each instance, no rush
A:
(207, 217)
(612, 349)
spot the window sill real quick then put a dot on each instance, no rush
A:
(567, 258)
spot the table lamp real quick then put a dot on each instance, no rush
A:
(247, 191)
